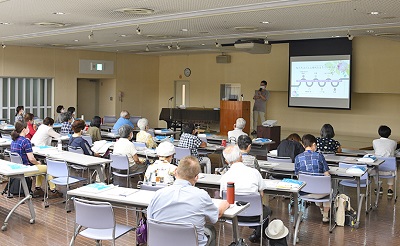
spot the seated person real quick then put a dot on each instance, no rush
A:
(384, 147)
(76, 139)
(45, 133)
(326, 143)
(32, 127)
(182, 202)
(162, 167)
(143, 136)
(19, 114)
(313, 162)
(94, 129)
(247, 181)
(290, 147)
(244, 143)
(23, 147)
(190, 140)
(71, 110)
(66, 125)
(238, 130)
(60, 109)
(124, 146)
(124, 119)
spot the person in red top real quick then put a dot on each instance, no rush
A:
(32, 127)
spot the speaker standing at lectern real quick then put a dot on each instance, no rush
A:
(260, 98)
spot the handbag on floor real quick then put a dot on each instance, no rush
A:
(141, 231)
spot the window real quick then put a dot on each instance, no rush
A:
(35, 94)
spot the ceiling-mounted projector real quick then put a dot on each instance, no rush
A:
(253, 46)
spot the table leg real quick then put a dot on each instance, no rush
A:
(296, 217)
(100, 173)
(235, 233)
(379, 186)
(359, 202)
(27, 198)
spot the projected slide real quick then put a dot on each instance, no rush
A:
(320, 79)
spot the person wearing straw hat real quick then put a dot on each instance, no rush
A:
(276, 233)
(162, 167)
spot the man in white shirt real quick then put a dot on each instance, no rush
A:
(237, 131)
(247, 181)
(124, 146)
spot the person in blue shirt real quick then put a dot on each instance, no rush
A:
(312, 162)
(124, 119)
(76, 139)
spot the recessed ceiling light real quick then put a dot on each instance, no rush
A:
(184, 30)
(264, 22)
(5, 23)
(135, 11)
(158, 36)
(203, 44)
(374, 13)
(76, 40)
(125, 35)
(58, 13)
(50, 24)
(370, 31)
(246, 28)
(337, 36)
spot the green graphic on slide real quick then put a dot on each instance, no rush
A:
(338, 67)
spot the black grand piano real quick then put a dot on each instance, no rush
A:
(176, 116)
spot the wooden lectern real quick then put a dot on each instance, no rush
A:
(230, 111)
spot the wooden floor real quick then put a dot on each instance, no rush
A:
(55, 227)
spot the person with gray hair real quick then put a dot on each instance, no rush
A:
(124, 119)
(124, 146)
(247, 181)
(143, 136)
(182, 202)
(237, 130)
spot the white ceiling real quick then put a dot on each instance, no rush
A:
(206, 22)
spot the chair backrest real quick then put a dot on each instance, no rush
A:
(120, 162)
(93, 214)
(75, 149)
(57, 168)
(88, 139)
(389, 165)
(15, 158)
(135, 119)
(171, 234)
(316, 184)
(255, 208)
(109, 119)
(180, 153)
(280, 159)
(347, 165)
(139, 145)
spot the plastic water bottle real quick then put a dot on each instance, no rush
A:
(59, 144)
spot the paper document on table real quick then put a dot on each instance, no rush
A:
(101, 146)
(271, 183)
(97, 187)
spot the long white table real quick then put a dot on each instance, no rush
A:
(354, 160)
(213, 181)
(142, 198)
(335, 172)
(18, 171)
(88, 161)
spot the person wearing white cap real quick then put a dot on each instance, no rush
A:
(162, 167)
(276, 233)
